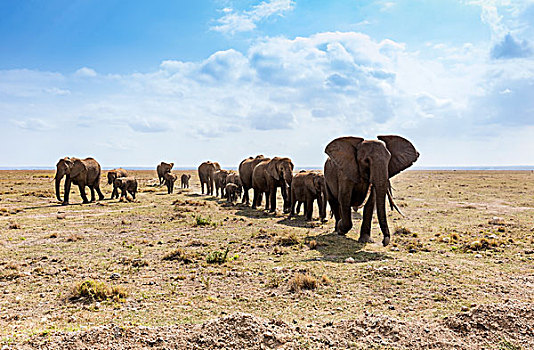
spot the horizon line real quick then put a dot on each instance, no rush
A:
(311, 167)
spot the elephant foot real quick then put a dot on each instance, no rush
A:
(86, 202)
(65, 203)
(365, 239)
(385, 241)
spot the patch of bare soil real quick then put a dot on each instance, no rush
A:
(507, 326)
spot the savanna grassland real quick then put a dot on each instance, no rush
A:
(459, 272)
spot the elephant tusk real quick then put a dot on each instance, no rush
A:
(392, 204)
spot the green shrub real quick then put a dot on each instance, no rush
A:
(217, 257)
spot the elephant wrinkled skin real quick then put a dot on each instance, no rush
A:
(356, 167)
(81, 172)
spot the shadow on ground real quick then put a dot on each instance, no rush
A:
(337, 248)
(299, 221)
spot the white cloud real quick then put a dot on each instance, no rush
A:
(234, 21)
(85, 72)
(280, 96)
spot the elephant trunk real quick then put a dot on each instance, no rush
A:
(58, 182)
(381, 191)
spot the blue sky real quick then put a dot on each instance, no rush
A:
(132, 83)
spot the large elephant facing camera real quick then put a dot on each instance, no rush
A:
(358, 167)
(81, 172)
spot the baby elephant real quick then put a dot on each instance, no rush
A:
(126, 185)
(233, 192)
(170, 178)
(185, 180)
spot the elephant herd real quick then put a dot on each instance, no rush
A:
(357, 173)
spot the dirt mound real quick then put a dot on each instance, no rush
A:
(505, 325)
(508, 322)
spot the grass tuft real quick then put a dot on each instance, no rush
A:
(303, 281)
(287, 240)
(179, 255)
(90, 291)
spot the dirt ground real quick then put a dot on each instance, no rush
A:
(187, 271)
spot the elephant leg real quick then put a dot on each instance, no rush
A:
(255, 198)
(67, 192)
(245, 199)
(293, 204)
(322, 211)
(92, 188)
(299, 203)
(365, 230)
(334, 207)
(82, 193)
(100, 194)
(285, 197)
(309, 208)
(272, 198)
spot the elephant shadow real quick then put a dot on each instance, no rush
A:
(299, 221)
(337, 248)
(249, 212)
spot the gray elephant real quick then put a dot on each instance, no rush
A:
(205, 174)
(246, 167)
(169, 180)
(357, 167)
(185, 180)
(306, 187)
(81, 172)
(233, 177)
(126, 185)
(162, 169)
(220, 181)
(233, 192)
(267, 176)
(112, 175)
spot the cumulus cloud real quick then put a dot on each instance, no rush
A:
(85, 72)
(235, 21)
(303, 91)
(509, 47)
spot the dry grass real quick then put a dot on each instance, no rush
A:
(91, 291)
(179, 254)
(427, 276)
(303, 281)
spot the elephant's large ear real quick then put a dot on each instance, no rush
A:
(342, 151)
(315, 186)
(403, 153)
(271, 168)
(77, 168)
